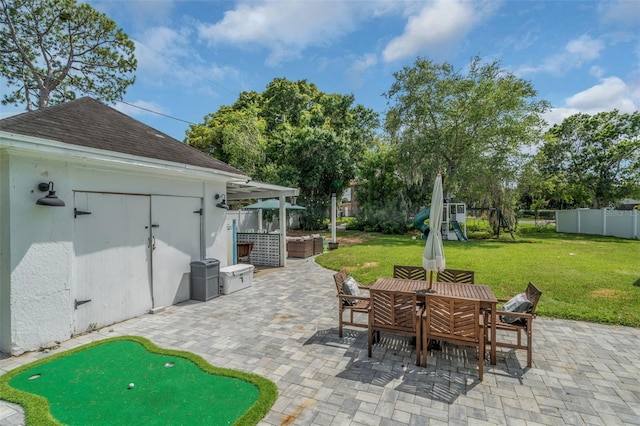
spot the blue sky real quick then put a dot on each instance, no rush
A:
(195, 56)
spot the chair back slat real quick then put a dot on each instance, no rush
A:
(339, 278)
(452, 319)
(456, 276)
(455, 320)
(533, 294)
(393, 311)
(409, 272)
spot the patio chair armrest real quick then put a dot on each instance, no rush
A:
(349, 297)
(523, 315)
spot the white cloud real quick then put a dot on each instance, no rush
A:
(140, 12)
(360, 67)
(596, 71)
(158, 51)
(583, 49)
(611, 93)
(618, 13)
(167, 55)
(557, 115)
(521, 42)
(286, 28)
(437, 25)
(139, 107)
(576, 53)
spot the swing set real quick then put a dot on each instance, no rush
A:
(502, 221)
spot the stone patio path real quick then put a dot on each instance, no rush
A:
(284, 327)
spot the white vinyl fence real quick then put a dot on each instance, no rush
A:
(246, 220)
(615, 223)
(249, 221)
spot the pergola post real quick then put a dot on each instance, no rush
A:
(333, 217)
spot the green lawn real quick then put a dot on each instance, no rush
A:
(582, 277)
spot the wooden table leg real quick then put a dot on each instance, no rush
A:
(493, 333)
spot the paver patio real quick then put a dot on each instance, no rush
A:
(284, 327)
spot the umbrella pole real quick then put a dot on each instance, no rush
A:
(430, 279)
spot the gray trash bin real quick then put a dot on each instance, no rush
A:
(205, 279)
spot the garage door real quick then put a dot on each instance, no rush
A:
(112, 267)
(176, 242)
(132, 255)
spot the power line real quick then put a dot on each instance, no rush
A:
(276, 115)
(158, 113)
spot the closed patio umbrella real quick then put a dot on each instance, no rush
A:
(433, 256)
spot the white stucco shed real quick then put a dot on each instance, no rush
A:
(139, 206)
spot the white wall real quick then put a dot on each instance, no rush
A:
(36, 251)
(5, 302)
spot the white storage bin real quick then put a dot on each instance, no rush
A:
(235, 277)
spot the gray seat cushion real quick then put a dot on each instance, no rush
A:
(518, 303)
(350, 287)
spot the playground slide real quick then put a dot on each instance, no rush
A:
(458, 231)
(418, 222)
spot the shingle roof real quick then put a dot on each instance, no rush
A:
(88, 122)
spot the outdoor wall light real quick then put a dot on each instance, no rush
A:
(51, 199)
(222, 204)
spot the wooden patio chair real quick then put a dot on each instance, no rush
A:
(455, 276)
(523, 324)
(395, 312)
(409, 272)
(455, 320)
(352, 304)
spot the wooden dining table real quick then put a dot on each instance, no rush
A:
(479, 292)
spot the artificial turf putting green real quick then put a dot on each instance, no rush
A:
(91, 384)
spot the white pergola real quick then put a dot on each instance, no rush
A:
(250, 190)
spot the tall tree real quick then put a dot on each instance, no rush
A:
(53, 49)
(292, 134)
(471, 126)
(234, 135)
(383, 205)
(541, 190)
(596, 156)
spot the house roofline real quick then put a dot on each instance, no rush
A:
(31, 143)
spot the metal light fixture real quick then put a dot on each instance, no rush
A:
(51, 199)
(222, 204)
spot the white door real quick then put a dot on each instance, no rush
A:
(176, 240)
(112, 259)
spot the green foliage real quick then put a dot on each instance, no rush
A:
(235, 136)
(471, 127)
(582, 277)
(292, 134)
(54, 49)
(383, 205)
(590, 160)
(479, 228)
